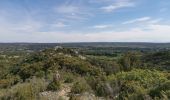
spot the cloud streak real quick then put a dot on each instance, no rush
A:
(142, 19)
(102, 26)
(146, 20)
(59, 25)
(117, 5)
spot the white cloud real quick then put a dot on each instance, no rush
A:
(155, 33)
(143, 20)
(108, 1)
(102, 26)
(100, 1)
(59, 25)
(137, 20)
(118, 5)
(155, 21)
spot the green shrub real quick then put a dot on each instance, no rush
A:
(68, 80)
(157, 92)
(24, 91)
(9, 81)
(137, 83)
(101, 89)
(80, 87)
(68, 77)
(99, 85)
(129, 61)
(54, 86)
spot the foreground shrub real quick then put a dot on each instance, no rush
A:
(99, 85)
(138, 83)
(80, 87)
(25, 91)
(9, 81)
(68, 77)
(163, 89)
(54, 86)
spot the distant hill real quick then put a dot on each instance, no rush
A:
(40, 46)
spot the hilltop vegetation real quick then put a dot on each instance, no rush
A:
(82, 74)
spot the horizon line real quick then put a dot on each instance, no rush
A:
(80, 42)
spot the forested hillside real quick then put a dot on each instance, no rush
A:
(85, 73)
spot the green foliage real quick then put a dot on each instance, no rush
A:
(146, 78)
(138, 83)
(42, 63)
(162, 88)
(107, 64)
(159, 60)
(68, 77)
(25, 78)
(99, 85)
(80, 86)
(132, 90)
(54, 86)
(77, 65)
(101, 89)
(29, 70)
(8, 81)
(25, 91)
(129, 61)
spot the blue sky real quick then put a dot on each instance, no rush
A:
(84, 20)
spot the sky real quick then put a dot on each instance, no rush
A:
(50, 21)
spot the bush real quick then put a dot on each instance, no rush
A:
(69, 80)
(157, 92)
(80, 87)
(9, 81)
(101, 89)
(54, 86)
(129, 61)
(24, 91)
(137, 83)
(68, 77)
(99, 85)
